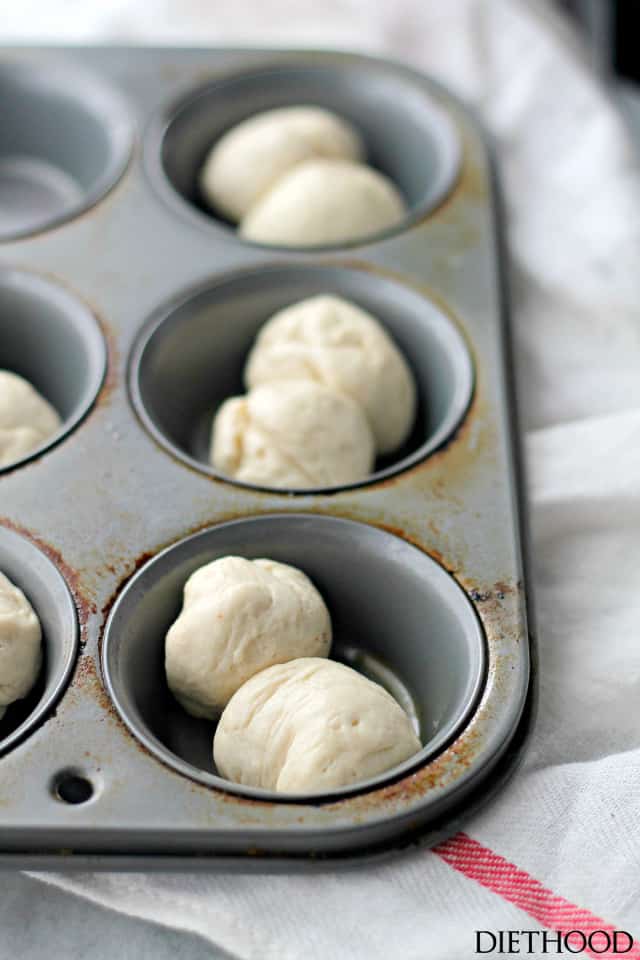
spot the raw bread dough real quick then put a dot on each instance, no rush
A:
(323, 202)
(248, 160)
(20, 644)
(294, 435)
(240, 616)
(333, 342)
(308, 726)
(26, 418)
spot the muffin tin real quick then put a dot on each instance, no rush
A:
(132, 309)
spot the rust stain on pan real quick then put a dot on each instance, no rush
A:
(85, 606)
(472, 436)
(86, 677)
(445, 768)
(495, 609)
(472, 185)
(397, 276)
(132, 569)
(110, 381)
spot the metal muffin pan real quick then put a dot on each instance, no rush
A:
(421, 565)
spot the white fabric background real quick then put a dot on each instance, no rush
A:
(570, 817)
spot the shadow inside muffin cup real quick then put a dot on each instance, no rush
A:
(65, 139)
(52, 340)
(408, 136)
(396, 615)
(45, 589)
(190, 357)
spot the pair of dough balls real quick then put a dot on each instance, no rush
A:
(251, 643)
(20, 644)
(296, 176)
(26, 418)
(328, 391)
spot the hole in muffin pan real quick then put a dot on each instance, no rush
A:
(45, 589)
(397, 616)
(52, 340)
(408, 136)
(190, 357)
(72, 787)
(65, 139)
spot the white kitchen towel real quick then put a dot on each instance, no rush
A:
(560, 847)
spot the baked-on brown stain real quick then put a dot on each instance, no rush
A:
(472, 184)
(85, 607)
(492, 604)
(110, 381)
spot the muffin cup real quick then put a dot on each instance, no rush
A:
(407, 135)
(65, 139)
(47, 592)
(52, 340)
(396, 614)
(190, 357)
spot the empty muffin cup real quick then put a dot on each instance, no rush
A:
(190, 357)
(396, 614)
(408, 136)
(45, 589)
(65, 139)
(52, 340)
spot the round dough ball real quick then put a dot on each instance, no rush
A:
(248, 159)
(238, 617)
(26, 418)
(324, 202)
(309, 726)
(293, 435)
(334, 342)
(20, 644)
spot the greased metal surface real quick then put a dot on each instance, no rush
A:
(112, 494)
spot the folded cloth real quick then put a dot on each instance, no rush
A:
(560, 846)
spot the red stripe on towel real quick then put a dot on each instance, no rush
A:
(492, 871)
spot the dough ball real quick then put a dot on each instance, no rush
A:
(335, 343)
(252, 156)
(295, 435)
(324, 202)
(238, 617)
(26, 418)
(20, 644)
(308, 726)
